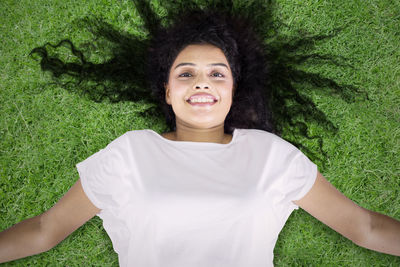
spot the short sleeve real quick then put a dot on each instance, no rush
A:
(300, 177)
(105, 176)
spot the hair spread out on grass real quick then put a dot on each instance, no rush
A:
(265, 64)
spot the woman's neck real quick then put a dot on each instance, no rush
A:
(210, 135)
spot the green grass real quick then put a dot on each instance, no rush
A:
(45, 131)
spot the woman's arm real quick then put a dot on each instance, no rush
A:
(365, 228)
(43, 232)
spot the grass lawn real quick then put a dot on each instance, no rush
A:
(45, 130)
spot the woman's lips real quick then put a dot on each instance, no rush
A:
(202, 95)
(202, 104)
(202, 99)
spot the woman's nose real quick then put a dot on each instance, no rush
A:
(202, 83)
(200, 86)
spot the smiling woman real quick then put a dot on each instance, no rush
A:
(217, 189)
(192, 80)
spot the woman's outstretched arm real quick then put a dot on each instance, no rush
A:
(43, 232)
(365, 228)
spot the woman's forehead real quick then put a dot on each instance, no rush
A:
(201, 54)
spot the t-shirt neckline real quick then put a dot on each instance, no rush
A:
(197, 144)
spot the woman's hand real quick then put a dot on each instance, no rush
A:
(365, 228)
(43, 232)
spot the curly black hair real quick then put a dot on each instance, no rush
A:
(266, 65)
(244, 52)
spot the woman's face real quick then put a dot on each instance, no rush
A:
(200, 73)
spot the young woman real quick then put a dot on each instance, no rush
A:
(215, 191)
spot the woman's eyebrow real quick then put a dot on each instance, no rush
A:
(209, 65)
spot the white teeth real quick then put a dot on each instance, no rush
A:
(202, 100)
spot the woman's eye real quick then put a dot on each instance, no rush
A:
(186, 74)
(217, 74)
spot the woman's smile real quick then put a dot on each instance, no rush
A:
(202, 100)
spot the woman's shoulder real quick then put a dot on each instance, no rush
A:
(260, 135)
(135, 134)
(264, 138)
(129, 137)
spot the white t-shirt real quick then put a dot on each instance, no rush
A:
(195, 204)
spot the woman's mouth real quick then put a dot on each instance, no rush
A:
(202, 101)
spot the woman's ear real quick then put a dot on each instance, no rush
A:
(167, 98)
